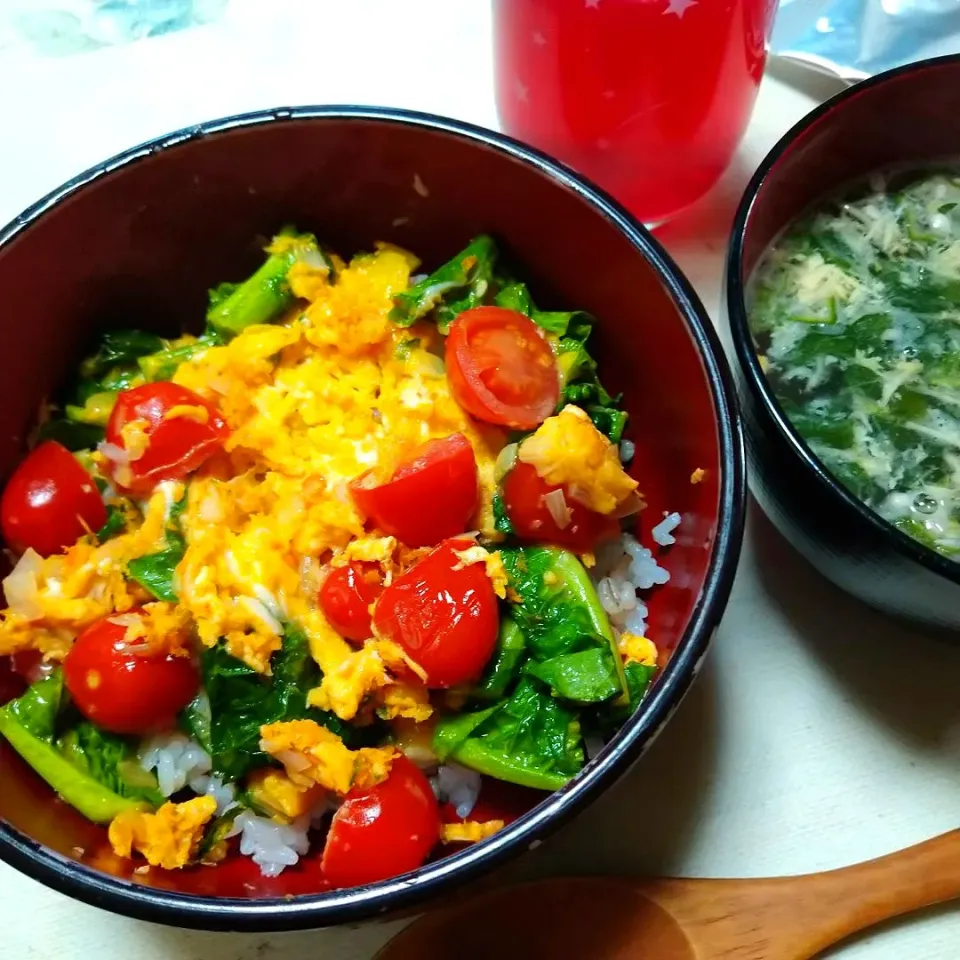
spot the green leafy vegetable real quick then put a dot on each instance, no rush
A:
(504, 665)
(37, 708)
(266, 294)
(212, 846)
(156, 572)
(96, 409)
(74, 436)
(116, 522)
(588, 676)
(111, 760)
(74, 763)
(501, 522)
(238, 701)
(610, 716)
(529, 739)
(458, 285)
(163, 364)
(119, 348)
(575, 324)
(558, 609)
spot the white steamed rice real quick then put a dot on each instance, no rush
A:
(457, 785)
(663, 531)
(272, 846)
(176, 759)
(624, 567)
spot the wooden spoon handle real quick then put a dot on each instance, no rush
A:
(795, 918)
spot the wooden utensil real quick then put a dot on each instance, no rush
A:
(616, 918)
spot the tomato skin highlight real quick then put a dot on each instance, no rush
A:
(126, 692)
(49, 502)
(176, 446)
(523, 493)
(431, 496)
(501, 368)
(345, 598)
(445, 618)
(382, 831)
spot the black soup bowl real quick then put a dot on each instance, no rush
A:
(905, 118)
(138, 240)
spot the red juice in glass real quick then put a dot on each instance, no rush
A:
(649, 98)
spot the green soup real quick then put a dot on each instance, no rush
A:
(855, 312)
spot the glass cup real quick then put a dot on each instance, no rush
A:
(649, 98)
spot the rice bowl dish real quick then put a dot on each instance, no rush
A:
(360, 544)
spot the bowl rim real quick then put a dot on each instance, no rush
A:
(757, 382)
(352, 905)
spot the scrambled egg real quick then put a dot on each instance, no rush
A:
(636, 649)
(168, 838)
(569, 450)
(52, 600)
(469, 831)
(275, 793)
(312, 403)
(312, 754)
(493, 563)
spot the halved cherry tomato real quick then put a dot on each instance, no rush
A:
(176, 445)
(49, 502)
(382, 831)
(345, 599)
(121, 690)
(501, 368)
(523, 493)
(431, 496)
(445, 618)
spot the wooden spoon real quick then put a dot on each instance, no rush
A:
(616, 918)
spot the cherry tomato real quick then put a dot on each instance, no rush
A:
(345, 599)
(523, 493)
(125, 691)
(445, 618)
(49, 502)
(501, 368)
(382, 831)
(176, 445)
(430, 496)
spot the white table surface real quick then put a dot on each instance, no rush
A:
(819, 734)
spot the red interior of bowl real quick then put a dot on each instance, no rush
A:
(139, 247)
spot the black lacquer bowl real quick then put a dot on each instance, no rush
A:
(903, 118)
(144, 235)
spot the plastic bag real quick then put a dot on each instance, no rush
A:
(62, 27)
(855, 39)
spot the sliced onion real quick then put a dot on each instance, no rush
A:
(556, 503)
(313, 258)
(292, 760)
(21, 586)
(112, 452)
(632, 503)
(125, 619)
(506, 461)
